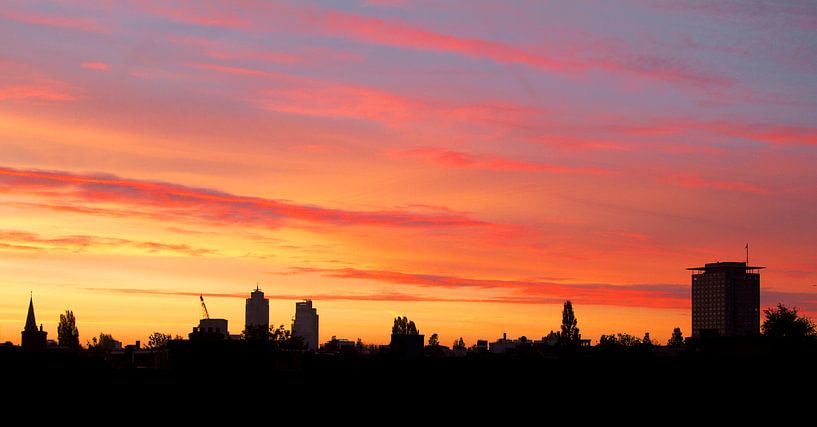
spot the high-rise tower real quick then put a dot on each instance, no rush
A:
(306, 324)
(726, 299)
(257, 311)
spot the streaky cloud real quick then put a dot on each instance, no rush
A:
(173, 201)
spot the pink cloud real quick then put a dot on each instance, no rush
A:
(239, 71)
(206, 13)
(312, 19)
(769, 133)
(395, 33)
(67, 22)
(309, 97)
(44, 91)
(463, 160)
(613, 133)
(693, 181)
(342, 101)
(224, 50)
(164, 200)
(97, 66)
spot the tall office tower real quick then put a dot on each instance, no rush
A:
(257, 311)
(306, 324)
(725, 299)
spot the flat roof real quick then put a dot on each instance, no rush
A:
(725, 266)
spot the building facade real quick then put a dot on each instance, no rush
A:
(725, 299)
(210, 329)
(306, 324)
(257, 311)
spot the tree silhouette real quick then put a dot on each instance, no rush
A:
(434, 340)
(570, 332)
(622, 340)
(458, 344)
(677, 338)
(257, 333)
(105, 344)
(280, 338)
(67, 333)
(157, 341)
(403, 326)
(782, 321)
(646, 342)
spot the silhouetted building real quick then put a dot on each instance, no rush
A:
(33, 338)
(550, 339)
(407, 346)
(306, 324)
(725, 299)
(211, 329)
(257, 311)
(503, 344)
(339, 346)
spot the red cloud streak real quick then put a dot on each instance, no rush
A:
(528, 292)
(666, 296)
(166, 200)
(21, 240)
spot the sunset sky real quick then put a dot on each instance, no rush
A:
(468, 164)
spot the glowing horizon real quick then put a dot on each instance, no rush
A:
(469, 165)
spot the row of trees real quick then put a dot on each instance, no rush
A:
(780, 321)
(278, 337)
(68, 337)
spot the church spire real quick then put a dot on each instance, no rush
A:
(33, 338)
(31, 323)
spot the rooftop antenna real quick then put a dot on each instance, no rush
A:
(747, 254)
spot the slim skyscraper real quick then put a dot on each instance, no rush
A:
(306, 324)
(257, 311)
(725, 299)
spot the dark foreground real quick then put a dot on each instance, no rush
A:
(715, 378)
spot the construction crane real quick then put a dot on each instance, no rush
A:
(204, 312)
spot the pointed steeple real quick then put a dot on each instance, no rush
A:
(31, 323)
(32, 338)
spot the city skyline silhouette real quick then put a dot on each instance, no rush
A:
(469, 165)
(725, 302)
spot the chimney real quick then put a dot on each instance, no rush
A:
(138, 344)
(504, 335)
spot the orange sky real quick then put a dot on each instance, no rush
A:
(468, 165)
